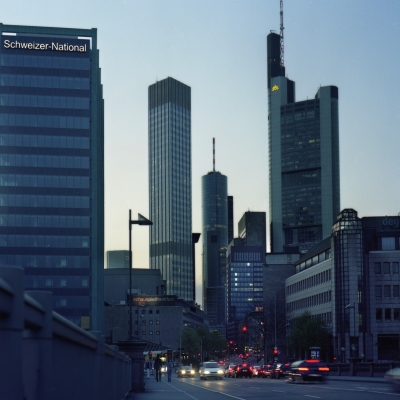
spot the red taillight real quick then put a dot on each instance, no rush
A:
(251, 369)
(303, 369)
(312, 361)
(323, 369)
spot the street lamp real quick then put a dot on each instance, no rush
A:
(353, 348)
(140, 221)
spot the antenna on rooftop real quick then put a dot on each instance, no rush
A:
(213, 154)
(282, 49)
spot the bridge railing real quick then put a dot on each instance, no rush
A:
(44, 356)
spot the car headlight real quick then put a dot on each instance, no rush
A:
(220, 371)
(192, 372)
(206, 372)
(183, 372)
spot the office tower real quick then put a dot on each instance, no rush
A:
(52, 166)
(170, 185)
(304, 187)
(230, 219)
(214, 187)
(117, 259)
(252, 228)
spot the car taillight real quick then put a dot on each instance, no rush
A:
(303, 369)
(323, 369)
(251, 369)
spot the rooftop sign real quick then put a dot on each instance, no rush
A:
(15, 44)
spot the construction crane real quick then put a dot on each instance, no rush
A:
(282, 50)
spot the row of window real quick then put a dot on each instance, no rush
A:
(72, 182)
(65, 142)
(44, 241)
(45, 81)
(326, 255)
(26, 160)
(388, 291)
(150, 311)
(31, 100)
(310, 301)
(18, 60)
(35, 262)
(386, 268)
(150, 322)
(387, 314)
(57, 281)
(19, 200)
(44, 221)
(317, 279)
(144, 333)
(44, 121)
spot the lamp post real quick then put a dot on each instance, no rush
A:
(353, 348)
(140, 221)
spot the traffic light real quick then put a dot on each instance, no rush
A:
(231, 342)
(276, 351)
(198, 355)
(150, 353)
(244, 329)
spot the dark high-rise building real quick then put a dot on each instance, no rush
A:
(252, 228)
(52, 166)
(230, 219)
(170, 185)
(304, 186)
(215, 229)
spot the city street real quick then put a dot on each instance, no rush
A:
(254, 389)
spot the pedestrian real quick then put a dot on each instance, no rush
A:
(151, 368)
(147, 365)
(157, 367)
(169, 369)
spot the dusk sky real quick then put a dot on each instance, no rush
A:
(218, 48)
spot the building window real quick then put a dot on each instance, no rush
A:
(143, 333)
(150, 332)
(151, 322)
(379, 314)
(143, 322)
(157, 311)
(388, 243)
(396, 314)
(150, 311)
(143, 311)
(396, 290)
(386, 290)
(378, 269)
(378, 291)
(157, 322)
(386, 268)
(388, 315)
(395, 268)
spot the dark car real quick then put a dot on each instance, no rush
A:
(265, 371)
(244, 370)
(307, 370)
(280, 370)
(230, 371)
(185, 372)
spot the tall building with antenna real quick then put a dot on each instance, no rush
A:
(303, 144)
(215, 236)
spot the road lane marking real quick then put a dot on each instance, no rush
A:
(280, 391)
(309, 395)
(215, 391)
(179, 390)
(253, 387)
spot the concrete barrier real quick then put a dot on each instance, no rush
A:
(44, 356)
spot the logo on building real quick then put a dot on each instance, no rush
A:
(275, 88)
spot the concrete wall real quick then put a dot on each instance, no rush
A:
(44, 356)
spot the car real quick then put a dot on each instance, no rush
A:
(211, 370)
(164, 368)
(256, 369)
(393, 375)
(185, 372)
(230, 371)
(306, 370)
(279, 370)
(244, 370)
(265, 371)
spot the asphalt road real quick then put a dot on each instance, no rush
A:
(255, 388)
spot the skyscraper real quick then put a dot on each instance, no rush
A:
(252, 228)
(170, 185)
(215, 226)
(52, 166)
(304, 182)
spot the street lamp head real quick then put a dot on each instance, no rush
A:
(349, 306)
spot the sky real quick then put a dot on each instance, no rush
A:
(218, 48)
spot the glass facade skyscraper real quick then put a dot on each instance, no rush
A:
(52, 166)
(304, 181)
(170, 185)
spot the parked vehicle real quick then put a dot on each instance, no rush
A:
(244, 370)
(306, 370)
(393, 375)
(211, 369)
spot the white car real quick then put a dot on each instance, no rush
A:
(211, 370)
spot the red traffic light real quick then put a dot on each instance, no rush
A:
(150, 353)
(199, 355)
(244, 329)
(275, 352)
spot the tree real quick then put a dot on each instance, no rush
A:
(307, 331)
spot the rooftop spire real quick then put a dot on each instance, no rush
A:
(213, 154)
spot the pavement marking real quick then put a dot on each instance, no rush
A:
(215, 391)
(253, 387)
(179, 390)
(280, 391)
(309, 395)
